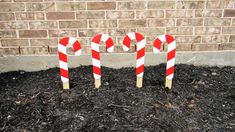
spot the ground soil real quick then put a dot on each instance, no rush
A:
(203, 99)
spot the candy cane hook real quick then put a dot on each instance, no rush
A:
(63, 59)
(141, 42)
(170, 56)
(96, 55)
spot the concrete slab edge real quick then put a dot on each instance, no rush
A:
(117, 60)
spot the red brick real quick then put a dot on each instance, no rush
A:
(208, 13)
(205, 47)
(132, 23)
(8, 34)
(34, 50)
(228, 30)
(12, 7)
(32, 33)
(14, 42)
(213, 4)
(179, 13)
(161, 22)
(43, 42)
(217, 22)
(131, 5)
(90, 14)
(13, 25)
(73, 24)
(28, 0)
(87, 49)
(101, 5)
(229, 13)
(120, 14)
(43, 25)
(183, 47)
(151, 31)
(161, 4)
(29, 16)
(102, 23)
(120, 31)
(187, 39)
(189, 22)
(232, 38)
(190, 4)
(7, 16)
(5, 0)
(215, 39)
(60, 15)
(228, 4)
(47, 6)
(9, 51)
(227, 46)
(207, 30)
(150, 14)
(179, 30)
(62, 33)
(53, 50)
(90, 32)
(70, 6)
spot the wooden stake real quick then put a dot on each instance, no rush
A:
(97, 83)
(139, 82)
(168, 83)
(65, 85)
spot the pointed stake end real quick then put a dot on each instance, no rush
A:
(168, 84)
(139, 82)
(65, 85)
(97, 83)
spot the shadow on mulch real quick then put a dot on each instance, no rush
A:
(202, 99)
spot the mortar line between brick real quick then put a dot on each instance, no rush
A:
(105, 15)
(29, 42)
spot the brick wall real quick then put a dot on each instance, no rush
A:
(33, 27)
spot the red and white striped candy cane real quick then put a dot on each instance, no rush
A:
(63, 59)
(141, 42)
(96, 54)
(170, 55)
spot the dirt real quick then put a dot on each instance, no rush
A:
(202, 100)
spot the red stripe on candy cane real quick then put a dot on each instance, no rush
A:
(63, 59)
(170, 53)
(96, 52)
(141, 42)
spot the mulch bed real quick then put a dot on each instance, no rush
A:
(203, 99)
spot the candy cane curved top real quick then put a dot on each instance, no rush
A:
(141, 42)
(63, 61)
(170, 53)
(96, 52)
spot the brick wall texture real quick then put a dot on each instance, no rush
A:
(33, 27)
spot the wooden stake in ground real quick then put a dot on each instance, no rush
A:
(63, 59)
(95, 51)
(168, 83)
(65, 85)
(141, 42)
(97, 83)
(170, 56)
(139, 82)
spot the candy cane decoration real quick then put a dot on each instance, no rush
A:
(63, 59)
(170, 56)
(141, 41)
(96, 55)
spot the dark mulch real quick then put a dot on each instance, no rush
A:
(202, 100)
